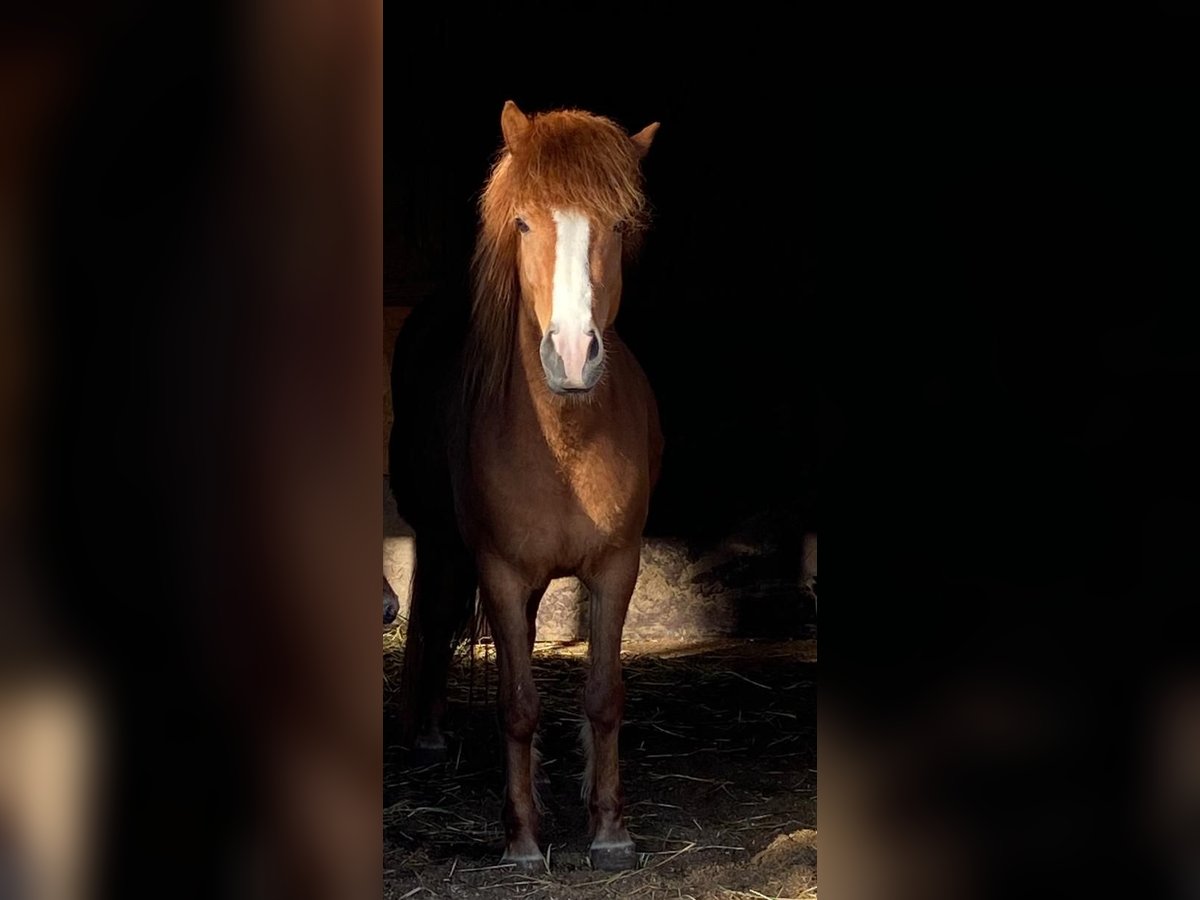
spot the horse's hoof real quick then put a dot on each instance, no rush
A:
(525, 863)
(613, 857)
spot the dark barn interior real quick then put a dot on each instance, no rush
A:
(715, 307)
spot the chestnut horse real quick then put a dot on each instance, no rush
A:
(547, 449)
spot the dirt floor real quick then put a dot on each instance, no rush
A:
(719, 766)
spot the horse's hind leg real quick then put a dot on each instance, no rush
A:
(507, 600)
(611, 586)
(443, 597)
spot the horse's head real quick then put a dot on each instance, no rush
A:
(568, 189)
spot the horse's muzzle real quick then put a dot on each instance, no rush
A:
(573, 363)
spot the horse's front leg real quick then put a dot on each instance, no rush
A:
(505, 597)
(611, 586)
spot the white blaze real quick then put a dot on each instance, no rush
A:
(571, 311)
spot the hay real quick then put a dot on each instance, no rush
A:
(718, 761)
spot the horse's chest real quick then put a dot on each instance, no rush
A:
(562, 509)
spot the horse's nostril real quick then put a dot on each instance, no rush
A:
(593, 348)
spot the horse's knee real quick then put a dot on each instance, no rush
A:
(520, 710)
(604, 701)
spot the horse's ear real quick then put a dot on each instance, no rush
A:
(644, 138)
(514, 124)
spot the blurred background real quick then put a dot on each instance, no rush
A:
(190, 254)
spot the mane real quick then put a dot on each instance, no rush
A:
(568, 158)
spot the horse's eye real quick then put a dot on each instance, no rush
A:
(619, 228)
(521, 226)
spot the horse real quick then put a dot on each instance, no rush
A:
(543, 447)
